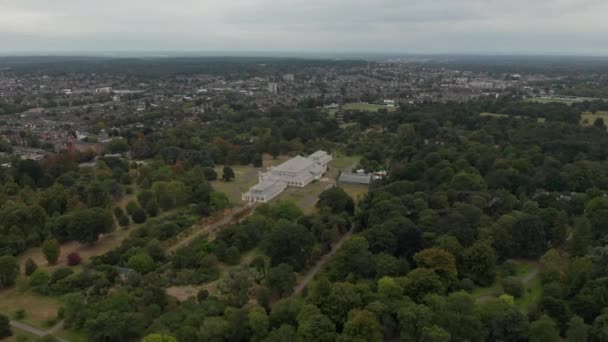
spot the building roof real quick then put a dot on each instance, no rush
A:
(295, 164)
(318, 154)
(355, 178)
(263, 185)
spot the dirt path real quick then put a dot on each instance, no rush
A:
(297, 290)
(38, 332)
(209, 228)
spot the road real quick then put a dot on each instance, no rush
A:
(297, 290)
(35, 331)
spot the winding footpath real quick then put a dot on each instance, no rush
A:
(297, 290)
(38, 332)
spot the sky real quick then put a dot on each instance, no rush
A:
(570, 27)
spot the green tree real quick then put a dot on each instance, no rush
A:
(422, 281)
(440, 261)
(214, 329)
(599, 329)
(479, 263)
(354, 258)
(503, 322)
(577, 329)
(362, 325)
(51, 251)
(281, 279)
(39, 278)
(289, 243)
(513, 286)
(97, 196)
(284, 333)
(258, 322)
(5, 327)
(139, 216)
(434, 334)
(30, 266)
(9, 270)
(596, 212)
(337, 200)
(141, 262)
(544, 330)
(227, 174)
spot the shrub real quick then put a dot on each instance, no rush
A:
(39, 278)
(118, 212)
(152, 208)
(513, 286)
(131, 207)
(30, 267)
(74, 259)
(139, 216)
(124, 221)
(19, 315)
(233, 256)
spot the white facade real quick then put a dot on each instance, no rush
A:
(297, 171)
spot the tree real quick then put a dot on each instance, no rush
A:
(39, 278)
(513, 286)
(317, 327)
(258, 322)
(227, 174)
(284, 333)
(577, 330)
(281, 279)
(503, 322)
(84, 225)
(9, 270)
(97, 196)
(479, 263)
(422, 281)
(354, 258)
(529, 238)
(289, 243)
(30, 266)
(596, 212)
(159, 338)
(440, 261)
(5, 327)
(139, 216)
(117, 145)
(214, 329)
(51, 250)
(152, 208)
(599, 329)
(337, 200)
(141, 262)
(434, 334)
(362, 325)
(74, 259)
(544, 330)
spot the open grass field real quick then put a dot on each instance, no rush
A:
(305, 198)
(367, 107)
(588, 118)
(356, 192)
(38, 309)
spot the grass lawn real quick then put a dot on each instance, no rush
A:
(357, 192)
(21, 336)
(367, 107)
(305, 198)
(72, 336)
(533, 291)
(38, 309)
(341, 161)
(588, 118)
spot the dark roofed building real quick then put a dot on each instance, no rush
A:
(355, 178)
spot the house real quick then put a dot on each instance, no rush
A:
(297, 171)
(355, 178)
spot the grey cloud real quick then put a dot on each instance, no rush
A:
(434, 26)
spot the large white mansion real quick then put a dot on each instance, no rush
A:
(297, 171)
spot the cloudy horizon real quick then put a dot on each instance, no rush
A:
(568, 27)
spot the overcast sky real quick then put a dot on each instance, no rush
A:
(578, 27)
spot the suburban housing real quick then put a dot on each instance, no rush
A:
(298, 171)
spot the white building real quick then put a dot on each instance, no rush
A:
(273, 87)
(297, 171)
